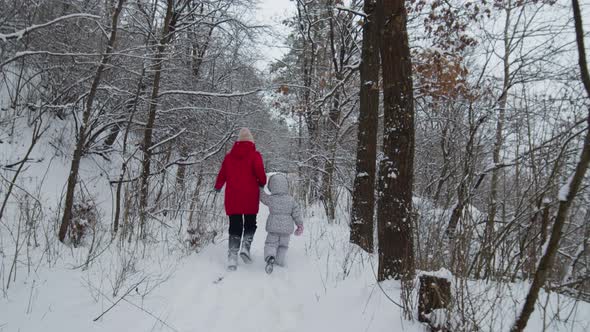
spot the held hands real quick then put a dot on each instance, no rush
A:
(299, 230)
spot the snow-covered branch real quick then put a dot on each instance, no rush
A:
(167, 140)
(356, 12)
(209, 94)
(19, 55)
(23, 32)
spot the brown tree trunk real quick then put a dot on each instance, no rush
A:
(434, 294)
(574, 184)
(147, 139)
(363, 195)
(82, 134)
(396, 171)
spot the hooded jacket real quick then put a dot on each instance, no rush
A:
(242, 171)
(284, 211)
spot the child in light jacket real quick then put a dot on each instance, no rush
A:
(284, 215)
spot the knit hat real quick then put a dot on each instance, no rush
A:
(245, 135)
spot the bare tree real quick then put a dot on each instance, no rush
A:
(164, 39)
(363, 195)
(567, 193)
(86, 118)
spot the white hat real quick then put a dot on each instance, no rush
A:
(245, 135)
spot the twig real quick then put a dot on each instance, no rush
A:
(154, 316)
(138, 307)
(381, 287)
(119, 300)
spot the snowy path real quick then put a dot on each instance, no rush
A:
(250, 300)
(247, 297)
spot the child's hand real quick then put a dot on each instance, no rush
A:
(299, 230)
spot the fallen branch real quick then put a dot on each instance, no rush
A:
(135, 305)
(119, 300)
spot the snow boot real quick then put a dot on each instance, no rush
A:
(246, 244)
(270, 262)
(232, 253)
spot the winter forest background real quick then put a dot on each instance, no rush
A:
(439, 148)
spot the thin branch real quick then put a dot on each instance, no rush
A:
(21, 33)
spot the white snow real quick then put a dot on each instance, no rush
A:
(308, 295)
(441, 273)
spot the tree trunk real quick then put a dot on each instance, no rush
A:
(434, 294)
(396, 171)
(363, 196)
(147, 139)
(82, 134)
(488, 252)
(126, 161)
(566, 197)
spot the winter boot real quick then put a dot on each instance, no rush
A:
(232, 253)
(270, 262)
(246, 244)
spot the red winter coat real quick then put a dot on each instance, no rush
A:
(243, 172)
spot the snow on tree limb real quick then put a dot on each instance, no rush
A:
(23, 32)
(356, 12)
(209, 94)
(19, 55)
(167, 139)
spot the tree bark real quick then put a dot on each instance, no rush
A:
(363, 197)
(82, 132)
(396, 171)
(575, 183)
(147, 139)
(434, 294)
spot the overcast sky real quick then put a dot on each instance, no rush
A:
(272, 12)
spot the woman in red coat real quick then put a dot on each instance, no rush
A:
(242, 171)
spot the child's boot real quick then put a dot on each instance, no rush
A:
(270, 261)
(232, 254)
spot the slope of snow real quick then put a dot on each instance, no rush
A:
(304, 296)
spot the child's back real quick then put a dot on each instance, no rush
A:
(284, 214)
(284, 211)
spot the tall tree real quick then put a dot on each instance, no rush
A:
(567, 193)
(394, 202)
(487, 256)
(147, 140)
(83, 131)
(363, 199)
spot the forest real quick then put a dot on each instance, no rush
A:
(438, 149)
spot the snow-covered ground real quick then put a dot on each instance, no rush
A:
(324, 287)
(304, 296)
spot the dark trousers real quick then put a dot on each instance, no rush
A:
(242, 223)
